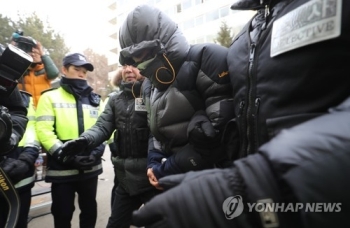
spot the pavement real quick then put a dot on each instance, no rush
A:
(40, 216)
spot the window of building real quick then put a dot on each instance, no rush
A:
(199, 20)
(186, 4)
(224, 11)
(189, 24)
(178, 8)
(212, 15)
(169, 11)
(197, 2)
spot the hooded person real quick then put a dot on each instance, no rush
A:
(192, 78)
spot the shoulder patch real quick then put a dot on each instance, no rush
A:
(95, 99)
(48, 90)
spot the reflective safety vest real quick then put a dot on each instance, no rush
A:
(29, 140)
(61, 117)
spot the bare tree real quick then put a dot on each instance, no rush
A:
(98, 79)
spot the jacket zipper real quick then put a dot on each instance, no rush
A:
(250, 98)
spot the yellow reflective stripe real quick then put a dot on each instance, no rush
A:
(31, 118)
(64, 105)
(34, 143)
(90, 107)
(45, 118)
(55, 147)
(25, 181)
(71, 172)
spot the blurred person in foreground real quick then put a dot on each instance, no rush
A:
(23, 159)
(13, 122)
(191, 99)
(288, 69)
(63, 114)
(41, 72)
(125, 114)
(13, 112)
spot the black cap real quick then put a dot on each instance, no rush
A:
(77, 59)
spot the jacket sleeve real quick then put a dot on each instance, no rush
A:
(213, 83)
(30, 142)
(45, 125)
(104, 127)
(51, 69)
(17, 110)
(308, 164)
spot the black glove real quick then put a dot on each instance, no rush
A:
(187, 159)
(198, 200)
(84, 162)
(16, 168)
(71, 148)
(201, 133)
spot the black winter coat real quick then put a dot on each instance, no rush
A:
(186, 79)
(298, 82)
(131, 135)
(18, 112)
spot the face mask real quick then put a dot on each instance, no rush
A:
(142, 66)
(159, 74)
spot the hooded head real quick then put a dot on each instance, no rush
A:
(148, 29)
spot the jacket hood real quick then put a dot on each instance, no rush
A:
(147, 27)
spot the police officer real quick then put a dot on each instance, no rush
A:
(63, 114)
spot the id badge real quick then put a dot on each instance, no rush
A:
(311, 22)
(140, 105)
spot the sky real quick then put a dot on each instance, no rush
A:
(82, 23)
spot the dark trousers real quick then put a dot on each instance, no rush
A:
(124, 205)
(25, 199)
(63, 195)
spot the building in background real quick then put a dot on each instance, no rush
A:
(199, 20)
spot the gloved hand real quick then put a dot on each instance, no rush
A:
(201, 133)
(184, 160)
(84, 162)
(71, 148)
(15, 168)
(197, 200)
(188, 159)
